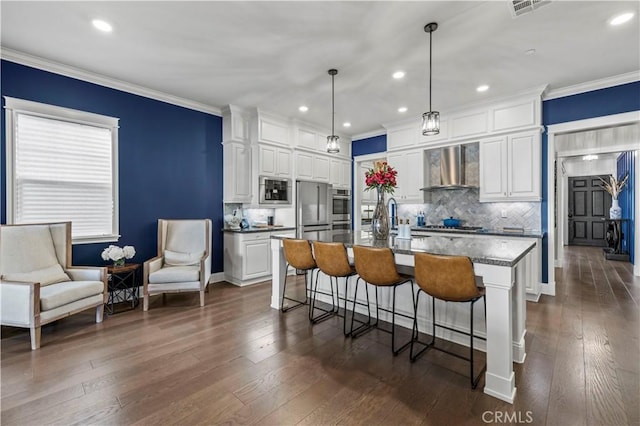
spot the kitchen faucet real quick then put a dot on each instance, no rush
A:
(394, 217)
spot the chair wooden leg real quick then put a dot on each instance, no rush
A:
(99, 313)
(201, 298)
(35, 338)
(145, 303)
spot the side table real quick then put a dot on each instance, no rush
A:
(123, 286)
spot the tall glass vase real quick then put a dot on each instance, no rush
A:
(380, 220)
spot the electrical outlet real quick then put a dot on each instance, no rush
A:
(503, 214)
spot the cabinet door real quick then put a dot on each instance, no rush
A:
(413, 170)
(335, 173)
(307, 138)
(237, 172)
(493, 169)
(321, 168)
(346, 174)
(283, 162)
(524, 166)
(359, 183)
(267, 157)
(403, 178)
(256, 259)
(304, 165)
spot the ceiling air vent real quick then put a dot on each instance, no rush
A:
(520, 7)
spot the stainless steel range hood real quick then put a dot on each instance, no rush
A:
(451, 170)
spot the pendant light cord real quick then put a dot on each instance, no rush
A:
(430, 51)
(333, 111)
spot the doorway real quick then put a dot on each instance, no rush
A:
(588, 204)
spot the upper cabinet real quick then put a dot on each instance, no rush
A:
(309, 138)
(410, 177)
(509, 115)
(271, 129)
(274, 161)
(340, 173)
(510, 167)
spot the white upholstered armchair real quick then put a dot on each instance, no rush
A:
(38, 285)
(183, 262)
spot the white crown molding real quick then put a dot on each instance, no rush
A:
(589, 86)
(91, 77)
(368, 135)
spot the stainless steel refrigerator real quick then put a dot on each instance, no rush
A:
(312, 208)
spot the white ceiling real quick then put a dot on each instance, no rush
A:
(275, 55)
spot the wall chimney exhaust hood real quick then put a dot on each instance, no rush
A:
(451, 170)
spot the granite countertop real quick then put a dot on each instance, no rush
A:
(268, 228)
(488, 251)
(527, 233)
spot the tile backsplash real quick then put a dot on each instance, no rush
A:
(464, 205)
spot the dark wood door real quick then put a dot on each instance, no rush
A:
(588, 206)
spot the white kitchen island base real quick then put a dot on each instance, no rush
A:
(504, 272)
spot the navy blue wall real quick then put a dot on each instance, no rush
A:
(626, 166)
(170, 157)
(369, 145)
(597, 103)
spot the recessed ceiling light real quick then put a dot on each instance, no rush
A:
(402, 109)
(621, 19)
(102, 25)
(303, 108)
(398, 75)
(346, 124)
(482, 88)
(589, 157)
(530, 52)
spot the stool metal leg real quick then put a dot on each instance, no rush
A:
(364, 325)
(312, 306)
(284, 292)
(393, 324)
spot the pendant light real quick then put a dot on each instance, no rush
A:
(333, 147)
(431, 119)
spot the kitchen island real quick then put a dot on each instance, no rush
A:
(502, 264)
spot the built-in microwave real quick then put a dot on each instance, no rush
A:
(275, 190)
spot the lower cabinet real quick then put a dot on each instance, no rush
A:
(247, 256)
(531, 266)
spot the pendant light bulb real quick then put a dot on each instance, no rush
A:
(333, 145)
(431, 119)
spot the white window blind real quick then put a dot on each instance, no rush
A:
(64, 171)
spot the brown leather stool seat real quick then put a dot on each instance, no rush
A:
(377, 266)
(450, 279)
(298, 255)
(332, 260)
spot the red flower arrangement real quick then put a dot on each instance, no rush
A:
(382, 177)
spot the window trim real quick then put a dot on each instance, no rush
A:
(14, 106)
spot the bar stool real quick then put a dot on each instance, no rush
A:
(332, 260)
(451, 279)
(377, 266)
(298, 254)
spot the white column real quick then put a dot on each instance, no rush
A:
(519, 304)
(500, 377)
(278, 270)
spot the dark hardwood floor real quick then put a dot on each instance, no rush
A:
(237, 361)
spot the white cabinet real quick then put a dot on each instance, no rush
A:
(237, 172)
(311, 167)
(410, 177)
(274, 161)
(366, 196)
(247, 256)
(340, 173)
(510, 168)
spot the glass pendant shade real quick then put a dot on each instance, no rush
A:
(430, 123)
(333, 146)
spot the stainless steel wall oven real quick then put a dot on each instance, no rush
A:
(340, 208)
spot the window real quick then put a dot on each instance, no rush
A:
(61, 166)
